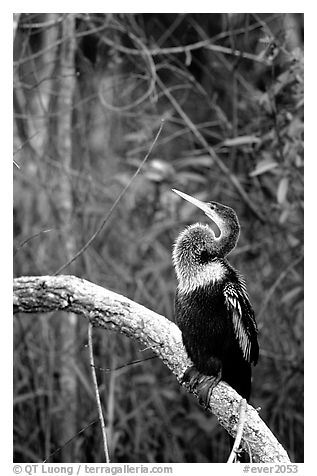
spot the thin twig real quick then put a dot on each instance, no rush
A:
(111, 401)
(29, 239)
(114, 205)
(94, 378)
(70, 440)
(120, 367)
(183, 49)
(27, 140)
(237, 441)
(43, 24)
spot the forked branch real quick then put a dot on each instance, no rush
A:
(111, 311)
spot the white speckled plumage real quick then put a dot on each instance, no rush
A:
(191, 274)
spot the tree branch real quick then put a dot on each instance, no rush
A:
(111, 311)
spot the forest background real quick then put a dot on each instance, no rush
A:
(90, 93)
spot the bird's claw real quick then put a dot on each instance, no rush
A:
(201, 384)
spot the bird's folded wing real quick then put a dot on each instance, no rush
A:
(241, 312)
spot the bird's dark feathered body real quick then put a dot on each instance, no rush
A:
(212, 307)
(206, 319)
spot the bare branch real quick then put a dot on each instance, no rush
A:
(108, 310)
(233, 454)
(208, 44)
(94, 378)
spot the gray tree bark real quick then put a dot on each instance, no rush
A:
(108, 310)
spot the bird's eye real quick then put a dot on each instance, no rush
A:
(204, 257)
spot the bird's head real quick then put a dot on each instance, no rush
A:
(200, 244)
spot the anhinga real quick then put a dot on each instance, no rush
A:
(212, 307)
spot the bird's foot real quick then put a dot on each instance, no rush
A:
(201, 384)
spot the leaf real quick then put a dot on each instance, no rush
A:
(292, 294)
(158, 170)
(200, 161)
(241, 140)
(263, 166)
(282, 190)
(298, 161)
(284, 216)
(138, 137)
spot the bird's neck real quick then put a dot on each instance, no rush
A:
(210, 274)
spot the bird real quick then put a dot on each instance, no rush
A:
(212, 306)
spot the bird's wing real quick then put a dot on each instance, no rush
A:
(244, 324)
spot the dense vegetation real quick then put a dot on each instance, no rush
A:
(230, 91)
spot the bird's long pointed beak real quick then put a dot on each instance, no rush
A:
(205, 207)
(198, 203)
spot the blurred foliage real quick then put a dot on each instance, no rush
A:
(230, 89)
